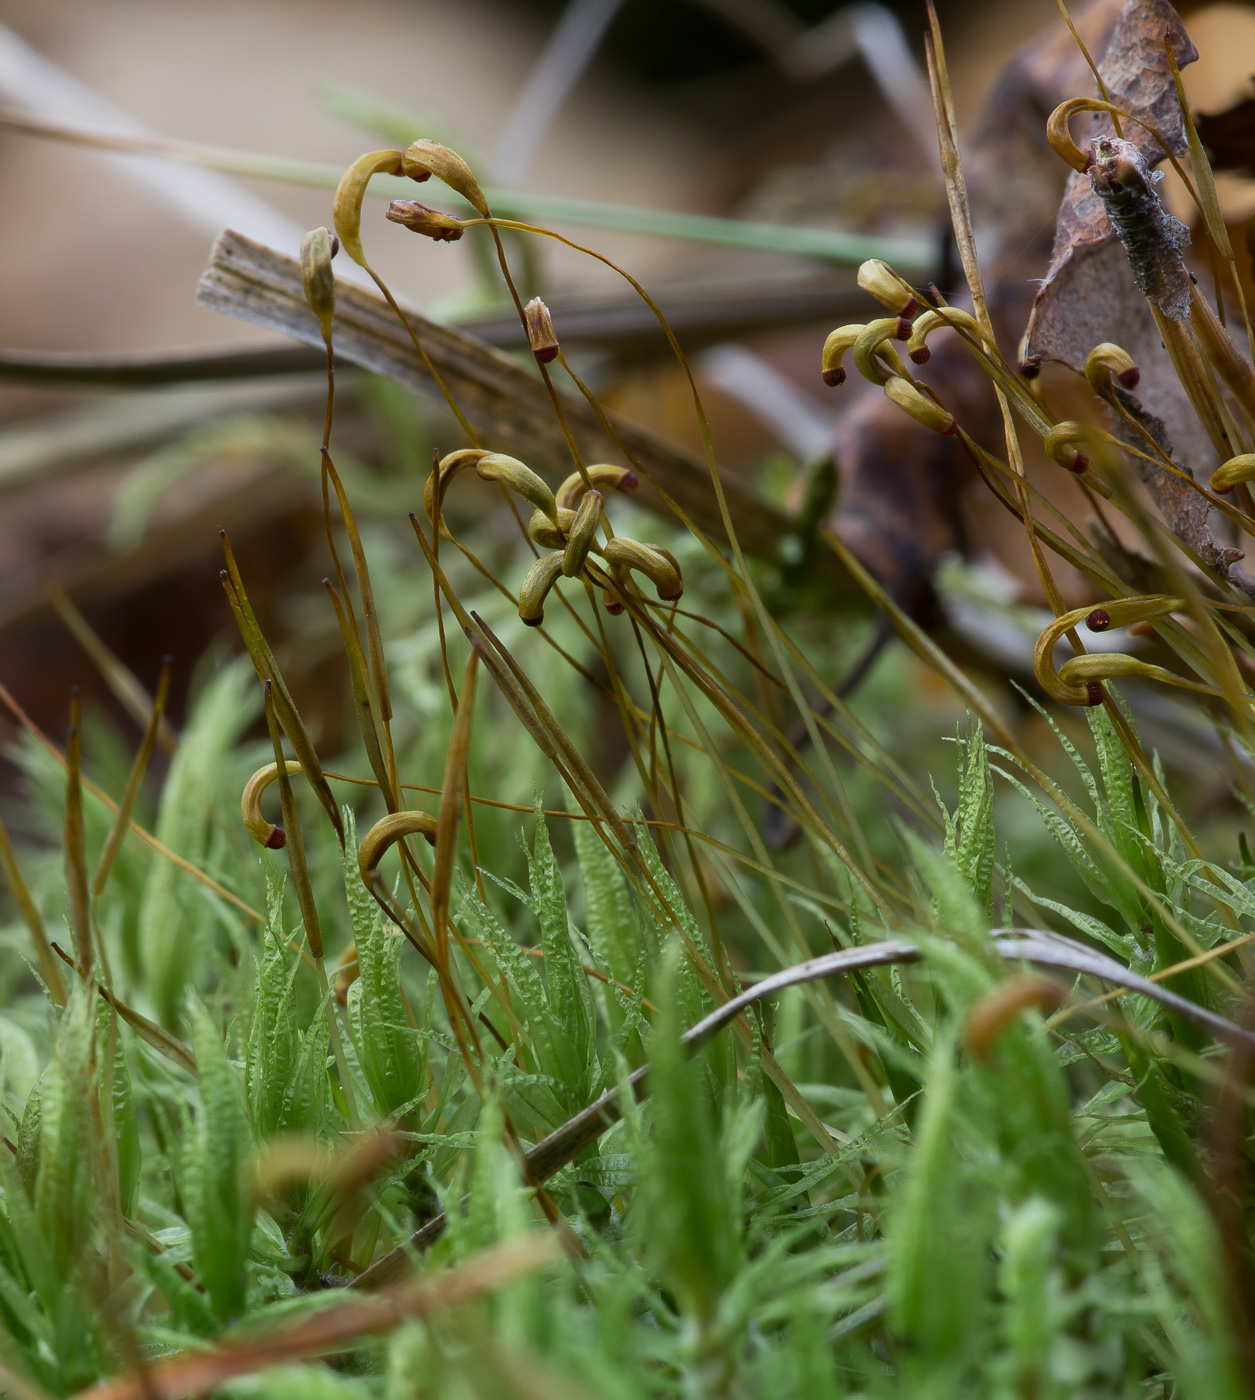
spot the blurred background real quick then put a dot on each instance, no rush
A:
(794, 113)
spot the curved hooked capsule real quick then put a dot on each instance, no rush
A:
(446, 469)
(1060, 137)
(542, 339)
(603, 477)
(657, 564)
(1091, 670)
(1072, 685)
(930, 321)
(835, 347)
(1106, 362)
(923, 409)
(423, 158)
(887, 287)
(420, 218)
(521, 479)
(540, 578)
(1232, 472)
(872, 345)
(318, 247)
(582, 534)
(1063, 445)
(548, 535)
(387, 831)
(346, 208)
(490, 466)
(265, 833)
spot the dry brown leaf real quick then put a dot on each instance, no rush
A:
(1089, 296)
(900, 497)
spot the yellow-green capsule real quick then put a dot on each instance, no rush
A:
(540, 578)
(919, 406)
(424, 158)
(318, 247)
(582, 533)
(521, 479)
(599, 476)
(1235, 470)
(548, 535)
(835, 347)
(346, 209)
(887, 287)
(654, 562)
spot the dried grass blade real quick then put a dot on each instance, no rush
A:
(120, 679)
(148, 1031)
(48, 968)
(497, 670)
(268, 670)
(332, 1329)
(574, 759)
(1208, 199)
(135, 779)
(295, 848)
(363, 701)
(374, 638)
(965, 239)
(296, 842)
(452, 801)
(75, 837)
(145, 835)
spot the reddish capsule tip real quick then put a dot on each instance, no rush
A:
(277, 839)
(922, 355)
(1029, 369)
(335, 245)
(545, 354)
(833, 377)
(613, 608)
(1080, 464)
(422, 177)
(533, 621)
(1099, 620)
(670, 597)
(629, 481)
(911, 309)
(1129, 377)
(903, 331)
(1094, 690)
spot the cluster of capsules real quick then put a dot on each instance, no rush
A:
(871, 346)
(566, 524)
(1110, 372)
(872, 349)
(1079, 680)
